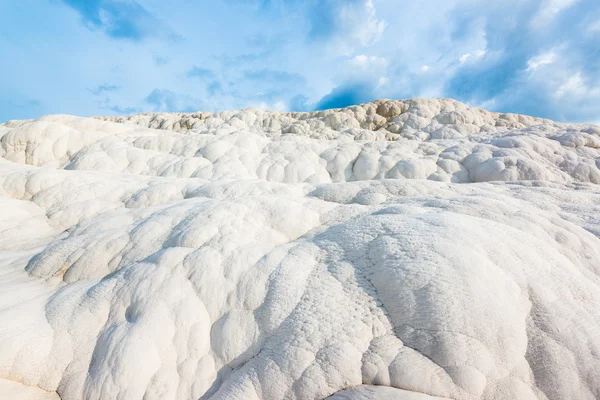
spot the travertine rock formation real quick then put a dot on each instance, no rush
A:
(415, 249)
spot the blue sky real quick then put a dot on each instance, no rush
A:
(114, 57)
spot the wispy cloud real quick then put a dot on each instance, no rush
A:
(270, 75)
(104, 88)
(119, 19)
(340, 25)
(167, 100)
(352, 20)
(197, 72)
(214, 88)
(531, 64)
(119, 110)
(160, 60)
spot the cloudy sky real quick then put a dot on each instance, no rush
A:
(106, 57)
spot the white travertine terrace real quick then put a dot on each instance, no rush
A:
(411, 250)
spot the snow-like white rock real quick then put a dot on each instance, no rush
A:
(415, 249)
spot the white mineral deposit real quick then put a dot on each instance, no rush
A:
(400, 249)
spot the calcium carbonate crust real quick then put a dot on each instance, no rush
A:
(413, 250)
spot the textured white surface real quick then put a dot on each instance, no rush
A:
(442, 251)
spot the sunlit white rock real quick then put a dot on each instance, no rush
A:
(415, 249)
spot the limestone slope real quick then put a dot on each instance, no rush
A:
(416, 249)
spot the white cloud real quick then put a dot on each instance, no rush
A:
(367, 27)
(549, 10)
(574, 86)
(476, 55)
(359, 27)
(263, 105)
(546, 58)
(383, 81)
(368, 63)
(594, 26)
(366, 68)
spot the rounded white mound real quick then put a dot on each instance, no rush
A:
(415, 249)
